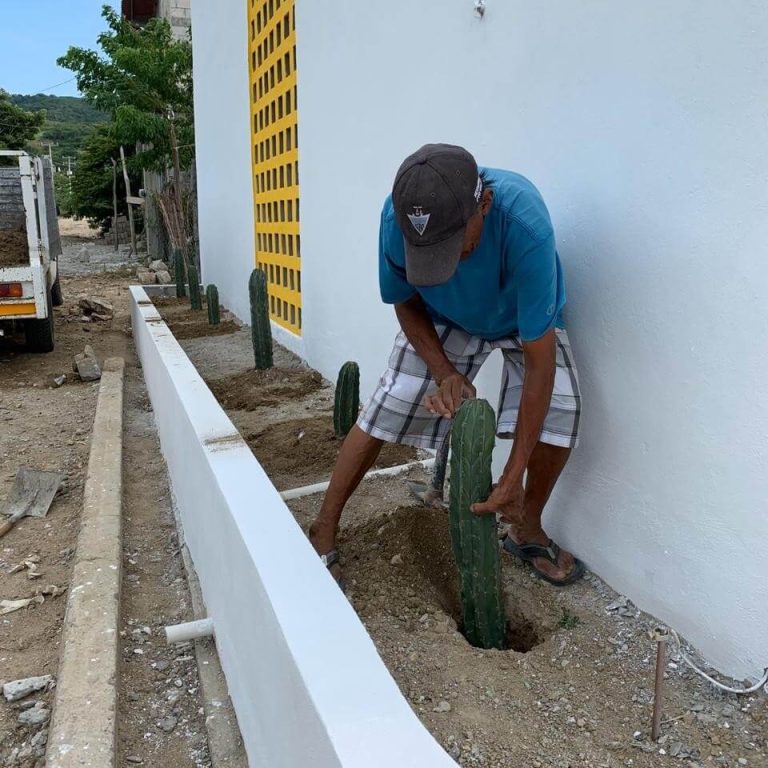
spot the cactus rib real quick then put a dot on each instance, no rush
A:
(347, 399)
(473, 537)
(261, 330)
(194, 288)
(212, 302)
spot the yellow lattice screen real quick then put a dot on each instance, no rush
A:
(274, 133)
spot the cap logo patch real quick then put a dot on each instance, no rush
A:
(419, 219)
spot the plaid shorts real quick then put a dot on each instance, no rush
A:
(395, 412)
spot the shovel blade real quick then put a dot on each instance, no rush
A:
(32, 492)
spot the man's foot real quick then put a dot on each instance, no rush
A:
(555, 565)
(324, 542)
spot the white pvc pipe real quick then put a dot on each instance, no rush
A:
(190, 630)
(307, 490)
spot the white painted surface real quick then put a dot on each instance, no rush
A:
(645, 126)
(223, 149)
(307, 684)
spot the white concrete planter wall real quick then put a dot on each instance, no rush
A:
(306, 681)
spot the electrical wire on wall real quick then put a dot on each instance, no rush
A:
(740, 691)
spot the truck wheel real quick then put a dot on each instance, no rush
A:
(56, 296)
(40, 333)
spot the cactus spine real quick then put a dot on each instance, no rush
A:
(475, 544)
(194, 288)
(178, 269)
(347, 400)
(212, 301)
(261, 331)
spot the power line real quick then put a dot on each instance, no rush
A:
(58, 85)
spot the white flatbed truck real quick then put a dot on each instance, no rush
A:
(29, 279)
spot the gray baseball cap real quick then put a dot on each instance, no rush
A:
(436, 192)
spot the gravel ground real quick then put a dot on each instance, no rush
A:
(45, 426)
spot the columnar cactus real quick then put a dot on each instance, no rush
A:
(212, 301)
(261, 331)
(178, 269)
(475, 544)
(195, 298)
(347, 401)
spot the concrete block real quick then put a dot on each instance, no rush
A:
(84, 723)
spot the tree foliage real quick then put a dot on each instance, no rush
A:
(142, 77)
(91, 183)
(17, 126)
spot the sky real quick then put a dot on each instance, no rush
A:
(34, 33)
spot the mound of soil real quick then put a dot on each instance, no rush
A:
(419, 540)
(195, 326)
(303, 451)
(188, 323)
(253, 389)
(14, 249)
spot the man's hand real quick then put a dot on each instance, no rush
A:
(453, 390)
(506, 499)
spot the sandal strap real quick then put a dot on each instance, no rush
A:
(330, 558)
(551, 552)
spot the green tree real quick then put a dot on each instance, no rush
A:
(17, 126)
(142, 78)
(91, 184)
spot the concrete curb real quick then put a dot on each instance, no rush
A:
(84, 715)
(307, 684)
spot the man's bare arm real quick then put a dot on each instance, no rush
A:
(538, 384)
(420, 331)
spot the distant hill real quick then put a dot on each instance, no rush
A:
(69, 121)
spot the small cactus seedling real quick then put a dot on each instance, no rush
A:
(195, 298)
(179, 273)
(475, 544)
(212, 300)
(347, 401)
(261, 331)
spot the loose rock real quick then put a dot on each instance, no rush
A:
(86, 366)
(19, 689)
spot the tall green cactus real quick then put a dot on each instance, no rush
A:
(178, 269)
(261, 331)
(475, 544)
(347, 400)
(212, 301)
(195, 299)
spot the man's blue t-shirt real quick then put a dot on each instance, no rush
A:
(511, 284)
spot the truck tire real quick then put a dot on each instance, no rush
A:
(57, 298)
(40, 333)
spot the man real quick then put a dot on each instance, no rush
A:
(467, 256)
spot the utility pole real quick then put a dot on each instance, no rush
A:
(114, 202)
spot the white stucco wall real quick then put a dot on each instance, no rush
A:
(223, 148)
(645, 127)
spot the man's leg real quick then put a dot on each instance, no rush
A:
(356, 457)
(544, 468)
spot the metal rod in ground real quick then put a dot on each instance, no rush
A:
(658, 697)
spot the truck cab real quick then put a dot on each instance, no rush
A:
(30, 246)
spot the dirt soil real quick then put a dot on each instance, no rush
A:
(253, 389)
(14, 249)
(47, 427)
(188, 323)
(303, 451)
